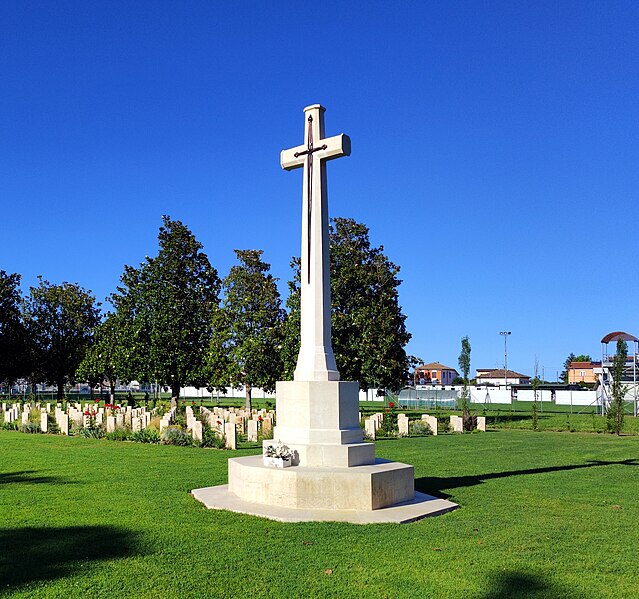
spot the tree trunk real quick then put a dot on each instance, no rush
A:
(112, 392)
(247, 403)
(175, 394)
(60, 391)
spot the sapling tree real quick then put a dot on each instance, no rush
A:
(469, 422)
(535, 382)
(615, 415)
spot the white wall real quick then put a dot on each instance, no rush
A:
(490, 395)
(579, 398)
(529, 395)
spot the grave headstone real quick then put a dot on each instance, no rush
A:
(457, 424)
(230, 435)
(63, 424)
(431, 421)
(44, 422)
(252, 431)
(110, 424)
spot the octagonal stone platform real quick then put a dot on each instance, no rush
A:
(375, 493)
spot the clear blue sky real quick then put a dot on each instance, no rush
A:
(495, 151)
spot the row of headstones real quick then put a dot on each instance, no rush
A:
(229, 423)
(226, 422)
(373, 423)
(135, 418)
(457, 424)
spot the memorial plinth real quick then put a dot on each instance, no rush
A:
(334, 474)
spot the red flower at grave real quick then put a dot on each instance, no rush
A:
(260, 418)
(219, 422)
(86, 412)
(391, 404)
(192, 403)
(97, 401)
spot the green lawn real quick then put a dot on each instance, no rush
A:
(542, 515)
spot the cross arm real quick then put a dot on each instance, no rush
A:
(336, 146)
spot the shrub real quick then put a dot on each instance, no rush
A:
(30, 427)
(9, 426)
(419, 427)
(211, 438)
(147, 435)
(119, 434)
(175, 435)
(93, 431)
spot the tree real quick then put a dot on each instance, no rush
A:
(464, 366)
(60, 320)
(248, 338)
(165, 310)
(563, 377)
(615, 415)
(13, 340)
(535, 382)
(100, 362)
(368, 327)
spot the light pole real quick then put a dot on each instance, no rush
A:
(505, 334)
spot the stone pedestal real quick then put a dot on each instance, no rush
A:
(319, 421)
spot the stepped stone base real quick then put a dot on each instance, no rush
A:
(421, 506)
(359, 488)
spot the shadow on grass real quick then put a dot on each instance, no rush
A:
(27, 476)
(515, 585)
(435, 485)
(37, 554)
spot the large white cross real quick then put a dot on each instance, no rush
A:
(315, 361)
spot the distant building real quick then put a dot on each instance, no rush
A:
(434, 374)
(497, 376)
(582, 372)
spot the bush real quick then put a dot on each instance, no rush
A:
(211, 438)
(119, 434)
(9, 426)
(174, 435)
(30, 427)
(93, 431)
(419, 428)
(147, 435)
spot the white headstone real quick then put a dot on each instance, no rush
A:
(44, 422)
(252, 431)
(230, 435)
(63, 424)
(197, 431)
(457, 424)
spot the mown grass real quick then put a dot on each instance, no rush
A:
(542, 515)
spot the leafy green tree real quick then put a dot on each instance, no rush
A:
(615, 415)
(368, 327)
(100, 362)
(165, 310)
(60, 320)
(249, 332)
(13, 339)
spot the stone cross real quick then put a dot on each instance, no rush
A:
(315, 361)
